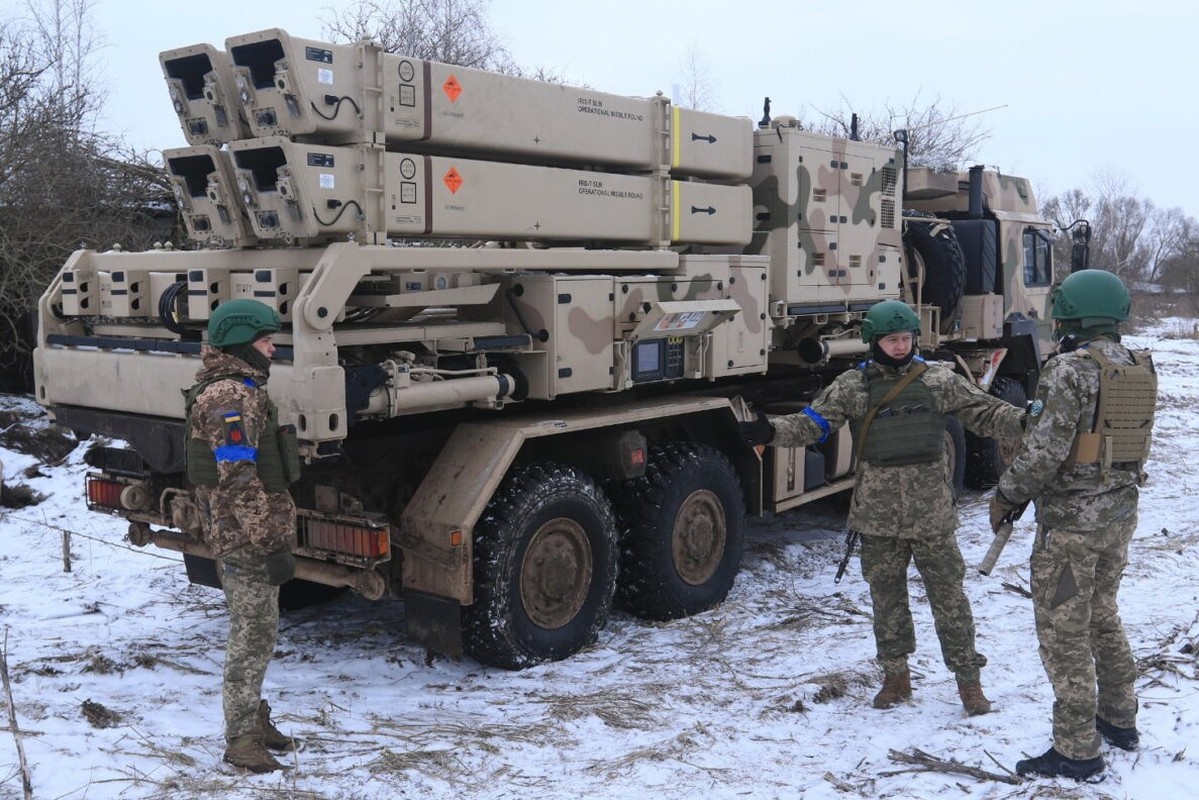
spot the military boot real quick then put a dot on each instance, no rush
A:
(897, 687)
(246, 751)
(1124, 738)
(1053, 764)
(973, 699)
(271, 736)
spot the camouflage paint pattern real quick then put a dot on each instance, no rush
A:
(909, 501)
(1086, 517)
(253, 628)
(828, 210)
(238, 515)
(1011, 201)
(885, 562)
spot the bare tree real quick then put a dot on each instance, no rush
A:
(940, 135)
(697, 90)
(449, 31)
(62, 184)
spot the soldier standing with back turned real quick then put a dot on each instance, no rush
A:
(903, 502)
(241, 463)
(1081, 462)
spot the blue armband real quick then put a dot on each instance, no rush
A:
(235, 452)
(819, 420)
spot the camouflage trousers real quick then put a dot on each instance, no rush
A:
(253, 628)
(1075, 578)
(885, 561)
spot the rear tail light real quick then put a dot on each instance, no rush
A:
(345, 540)
(104, 494)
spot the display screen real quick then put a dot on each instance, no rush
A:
(648, 358)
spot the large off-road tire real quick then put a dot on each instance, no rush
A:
(934, 245)
(955, 451)
(545, 561)
(683, 532)
(987, 458)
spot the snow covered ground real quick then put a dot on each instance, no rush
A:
(115, 671)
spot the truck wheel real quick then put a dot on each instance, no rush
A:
(955, 451)
(936, 246)
(987, 458)
(545, 559)
(683, 532)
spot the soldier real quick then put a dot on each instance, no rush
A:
(241, 463)
(903, 502)
(1081, 462)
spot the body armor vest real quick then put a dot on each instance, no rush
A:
(1124, 412)
(908, 430)
(278, 461)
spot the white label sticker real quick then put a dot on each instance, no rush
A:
(324, 77)
(680, 322)
(326, 180)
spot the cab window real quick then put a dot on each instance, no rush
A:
(1038, 261)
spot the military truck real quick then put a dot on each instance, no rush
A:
(521, 323)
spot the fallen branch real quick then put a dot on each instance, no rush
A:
(929, 763)
(26, 779)
(1020, 590)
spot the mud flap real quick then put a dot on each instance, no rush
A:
(201, 570)
(435, 622)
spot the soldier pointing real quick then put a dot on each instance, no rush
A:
(903, 502)
(241, 463)
(1082, 462)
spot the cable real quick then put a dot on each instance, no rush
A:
(340, 211)
(336, 107)
(166, 308)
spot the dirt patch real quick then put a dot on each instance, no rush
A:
(19, 496)
(99, 716)
(47, 443)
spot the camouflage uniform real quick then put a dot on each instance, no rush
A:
(908, 512)
(1086, 516)
(242, 522)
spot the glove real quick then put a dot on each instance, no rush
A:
(1000, 507)
(280, 567)
(758, 430)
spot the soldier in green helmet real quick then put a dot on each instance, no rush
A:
(903, 502)
(241, 463)
(1082, 462)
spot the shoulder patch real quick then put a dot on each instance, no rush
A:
(235, 432)
(1035, 408)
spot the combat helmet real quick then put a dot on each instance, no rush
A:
(241, 322)
(1093, 297)
(889, 316)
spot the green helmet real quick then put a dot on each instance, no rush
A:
(1092, 296)
(889, 316)
(241, 322)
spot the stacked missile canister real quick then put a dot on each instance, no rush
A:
(295, 141)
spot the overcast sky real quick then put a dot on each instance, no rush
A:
(1081, 88)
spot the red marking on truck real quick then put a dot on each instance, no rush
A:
(452, 88)
(452, 181)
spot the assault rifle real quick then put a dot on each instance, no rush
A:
(851, 541)
(1001, 536)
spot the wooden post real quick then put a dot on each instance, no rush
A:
(66, 551)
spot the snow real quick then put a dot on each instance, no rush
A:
(766, 696)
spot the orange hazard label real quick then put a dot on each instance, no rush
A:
(452, 181)
(452, 88)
